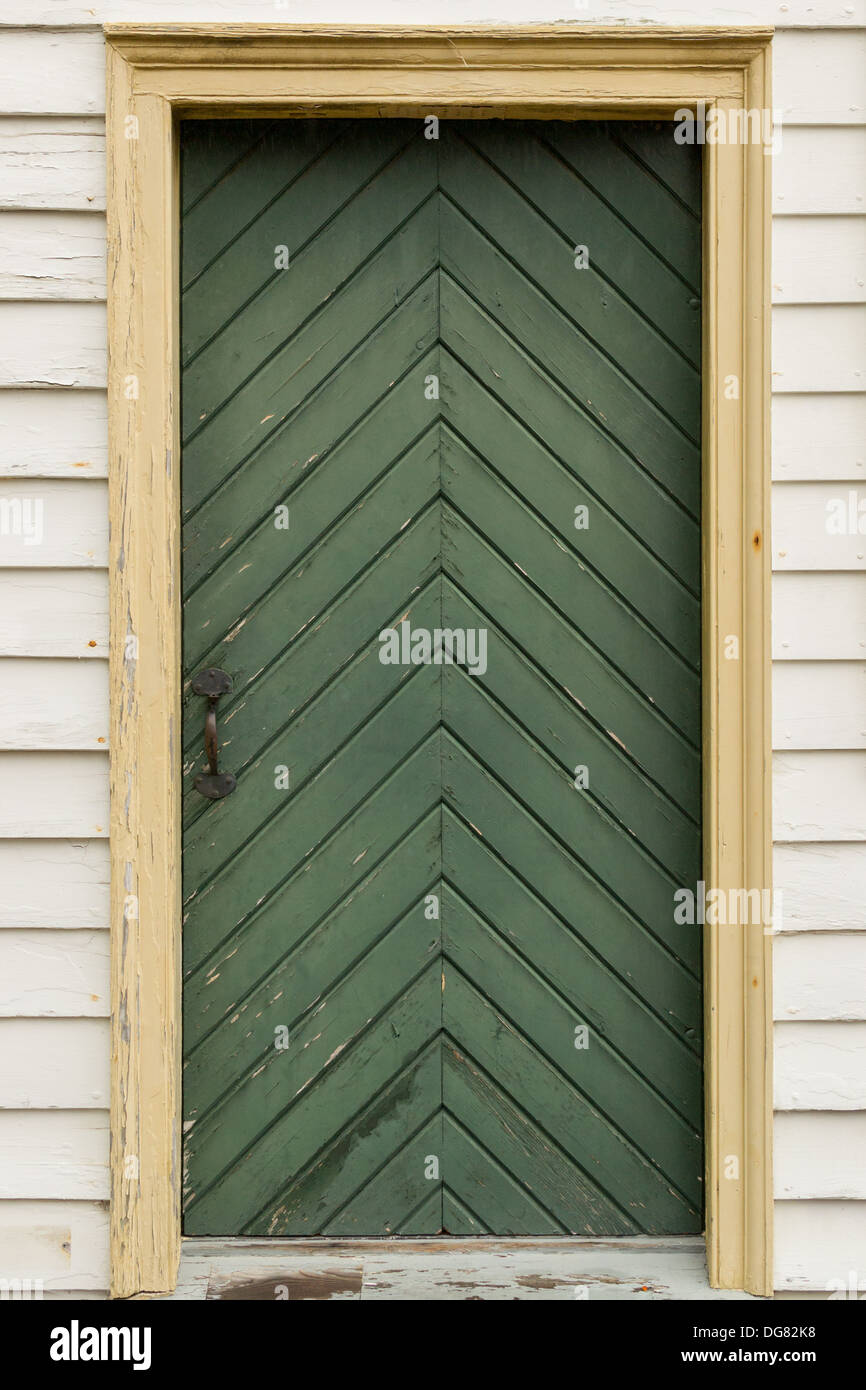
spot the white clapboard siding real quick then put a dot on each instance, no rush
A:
(53, 794)
(52, 162)
(57, 612)
(65, 1244)
(819, 347)
(807, 521)
(54, 884)
(819, 78)
(53, 522)
(820, 1154)
(818, 795)
(53, 704)
(47, 344)
(54, 1154)
(54, 1063)
(819, 617)
(54, 974)
(820, 1245)
(54, 434)
(820, 1066)
(52, 255)
(817, 260)
(816, 704)
(823, 887)
(818, 437)
(52, 74)
(782, 13)
(820, 169)
(816, 976)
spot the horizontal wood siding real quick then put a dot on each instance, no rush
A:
(53, 612)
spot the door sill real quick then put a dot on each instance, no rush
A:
(431, 1268)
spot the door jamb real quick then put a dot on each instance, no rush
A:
(159, 72)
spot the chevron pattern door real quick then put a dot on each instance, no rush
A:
(441, 527)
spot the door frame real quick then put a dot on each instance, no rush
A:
(158, 73)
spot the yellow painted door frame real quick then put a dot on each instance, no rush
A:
(160, 72)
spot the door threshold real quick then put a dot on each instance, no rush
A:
(432, 1268)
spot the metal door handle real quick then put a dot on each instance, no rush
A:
(212, 682)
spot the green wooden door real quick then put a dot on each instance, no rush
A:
(432, 978)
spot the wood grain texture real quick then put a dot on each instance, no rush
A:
(53, 704)
(820, 78)
(54, 163)
(818, 1245)
(819, 260)
(819, 976)
(820, 169)
(818, 704)
(819, 616)
(54, 612)
(54, 1064)
(55, 434)
(144, 559)
(59, 1155)
(457, 256)
(54, 883)
(63, 1243)
(46, 344)
(797, 13)
(52, 524)
(817, 437)
(818, 1154)
(56, 256)
(54, 974)
(53, 794)
(53, 74)
(819, 795)
(820, 1066)
(819, 526)
(834, 361)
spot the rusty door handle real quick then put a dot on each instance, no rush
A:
(212, 682)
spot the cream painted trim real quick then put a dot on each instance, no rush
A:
(158, 72)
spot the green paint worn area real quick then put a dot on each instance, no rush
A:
(449, 384)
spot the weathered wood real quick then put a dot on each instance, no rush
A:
(54, 612)
(819, 260)
(818, 795)
(824, 886)
(52, 255)
(53, 794)
(818, 437)
(819, 616)
(32, 1078)
(819, 1154)
(49, 344)
(61, 1155)
(49, 523)
(453, 258)
(55, 434)
(53, 974)
(820, 1066)
(819, 704)
(54, 704)
(819, 976)
(54, 883)
(820, 170)
(52, 163)
(63, 1243)
(735, 68)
